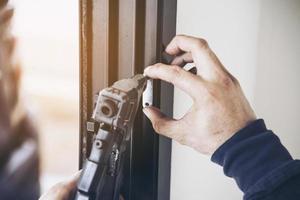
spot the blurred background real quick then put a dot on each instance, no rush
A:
(47, 44)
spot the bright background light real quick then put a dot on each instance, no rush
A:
(48, 47)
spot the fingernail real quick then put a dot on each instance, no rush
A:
(145, 111)
(167, 49)
(77, 174)
(147, 69)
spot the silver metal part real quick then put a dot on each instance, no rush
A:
(112, 121)
(148, 94)
(117, 105)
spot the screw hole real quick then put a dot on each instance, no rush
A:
(98, 144)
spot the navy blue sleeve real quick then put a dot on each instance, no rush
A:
(261, 166)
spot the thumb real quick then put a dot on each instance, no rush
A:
(62, 190)
(161, 123)
(71, 182)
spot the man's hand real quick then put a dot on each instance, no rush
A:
(220, 108)
(62, 190)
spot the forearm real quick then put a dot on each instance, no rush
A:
(258, 162)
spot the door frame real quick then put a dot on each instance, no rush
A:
(119, 38)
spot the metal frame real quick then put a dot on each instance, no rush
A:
(118, 39)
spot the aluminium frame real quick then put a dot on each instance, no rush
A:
(118, 38)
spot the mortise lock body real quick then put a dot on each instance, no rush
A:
(111, 122)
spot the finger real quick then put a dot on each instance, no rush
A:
(182, 59)
(160, 122)
(209, 66)
(71, 182)
(179, 77)
(66, 187)
(63, 189)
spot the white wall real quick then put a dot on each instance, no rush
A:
(277, 90)
(259, 43)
